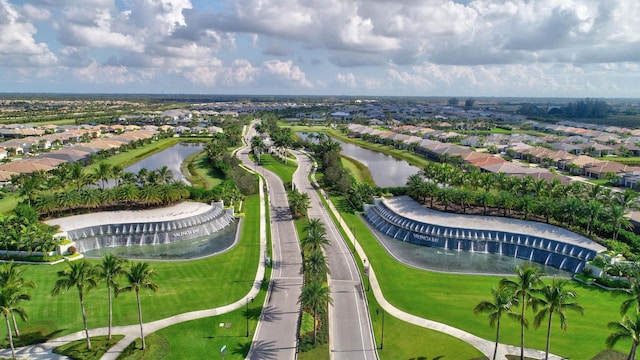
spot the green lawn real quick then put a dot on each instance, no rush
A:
(202, 174)
(284, 171)
(450, 298)
(183, 286)
(192, 339)
(358, 170)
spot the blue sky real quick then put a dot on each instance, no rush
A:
(574, 48)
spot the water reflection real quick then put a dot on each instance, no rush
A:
(386, 170)
(171, 157)
(438, 259)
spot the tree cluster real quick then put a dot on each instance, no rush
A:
(513, 297)
(21, 231)
(591, 210)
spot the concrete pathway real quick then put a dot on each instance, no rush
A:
(44, 351)
(485, 346)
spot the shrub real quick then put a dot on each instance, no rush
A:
(72, 250)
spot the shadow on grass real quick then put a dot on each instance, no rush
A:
(35, 332)
(261, 350)
(78, 349)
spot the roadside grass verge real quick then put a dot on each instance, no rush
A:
(182, 286)
(450, 299)
(283, 170)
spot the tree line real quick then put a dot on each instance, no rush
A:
(81, 276)
(595, 211)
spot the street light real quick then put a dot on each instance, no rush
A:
(247, 313)
(378, 311)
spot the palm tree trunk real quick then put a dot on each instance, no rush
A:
(546, 354)
(522, 329)
(140, 318)
(15, 324)
(84, 319)
(632, 354)
(13, 350)
(110, 312)
(495, 351)
(315, 325)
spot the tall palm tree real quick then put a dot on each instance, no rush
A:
(618, 218)
(139, 276)
(110, 270)
(527, 279)
(165, 175)
(314, 295)
(503, 300)
(556, 300)
(626, 329)
(79, 176)
(10, 299)
(634, 292)
(314, 241)
(83, 276)
(11, 277)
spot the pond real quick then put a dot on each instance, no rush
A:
(171, 157)
(386, 170)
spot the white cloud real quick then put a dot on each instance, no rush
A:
(348, 80)
(18, 47)
(105, 74)
(285, 70)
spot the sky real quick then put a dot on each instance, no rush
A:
(526, 48)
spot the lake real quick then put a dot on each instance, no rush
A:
(386, 170)
(171, 157)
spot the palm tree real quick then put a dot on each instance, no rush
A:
(10, 298)
(79, 176)
(633, 292)
(315, 265)
(627, 329)
(618, 218)
(83, 276)
(110, 270)
(527, 279)
(139, 276)
(503, 300)
(11, 277)
(165, 175)
(103, 172)
(555, 300)
(316, 237)
(314, 295)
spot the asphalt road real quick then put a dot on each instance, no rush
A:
(350, 331)
(276, 336)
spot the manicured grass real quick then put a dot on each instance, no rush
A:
(78, 349)
(202, 174)
(9, 202)
(450, 298)
(193, 339)
(132, 156)
(358, 170)
(284, 171)
(156, 348)
(183, 286)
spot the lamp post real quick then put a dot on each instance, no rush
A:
(378, 311)
(247, 313)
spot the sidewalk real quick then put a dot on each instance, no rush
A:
(485, 346)
(44, 351)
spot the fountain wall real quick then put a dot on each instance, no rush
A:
(553, 252)
(166, 231)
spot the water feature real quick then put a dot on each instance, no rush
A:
(386, 170)
(183, 249)
(171, 157)
(456, 261)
